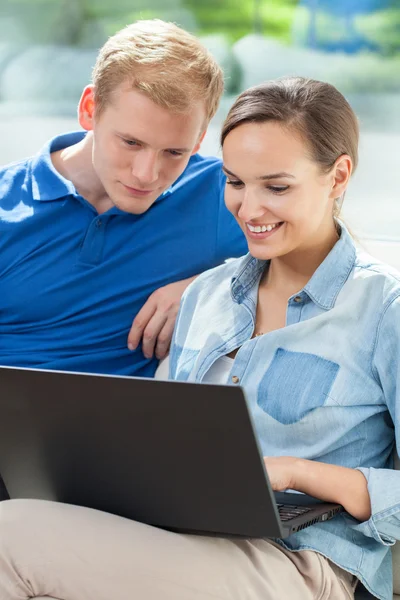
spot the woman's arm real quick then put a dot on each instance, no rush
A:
(371, 495)
(331, 483)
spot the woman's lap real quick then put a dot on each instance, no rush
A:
(73, 553)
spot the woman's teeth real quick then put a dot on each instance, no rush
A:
(262, 228)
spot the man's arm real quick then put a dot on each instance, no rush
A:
(154, 323)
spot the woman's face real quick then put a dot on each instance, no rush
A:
(277, 193)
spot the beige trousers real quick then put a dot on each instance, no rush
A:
(63, 552)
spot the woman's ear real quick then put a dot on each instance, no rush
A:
(341, 174)
(86, 108)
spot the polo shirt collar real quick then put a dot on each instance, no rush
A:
(323, 287)
(47, 183)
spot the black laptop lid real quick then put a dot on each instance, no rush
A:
(176, 455)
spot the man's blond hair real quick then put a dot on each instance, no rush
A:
(164, 62)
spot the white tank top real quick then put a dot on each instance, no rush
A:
(218, 373)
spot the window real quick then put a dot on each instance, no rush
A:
(48, 48)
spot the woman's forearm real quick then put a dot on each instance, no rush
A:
(333, 483)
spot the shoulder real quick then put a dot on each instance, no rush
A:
(13, 173)
(198, 162)
(203, 302)
(201, 169)
(382, 280)
(214, 284)
(14, 179)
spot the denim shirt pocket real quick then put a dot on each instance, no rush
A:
(295, 384)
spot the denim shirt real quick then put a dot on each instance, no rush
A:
(326, 387)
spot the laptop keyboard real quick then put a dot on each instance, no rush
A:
(289, 511)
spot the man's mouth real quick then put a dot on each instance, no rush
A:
(137, 192)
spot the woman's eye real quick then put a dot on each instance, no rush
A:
(235, 184)
(278, 189)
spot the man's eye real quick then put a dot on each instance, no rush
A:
(235, 184)
(130, 142)
(175, 153)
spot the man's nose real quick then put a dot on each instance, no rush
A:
(145, 167)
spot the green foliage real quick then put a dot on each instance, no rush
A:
(231, 18)
(382, 28)
(98, 9)
(277, 18)
(236, 18)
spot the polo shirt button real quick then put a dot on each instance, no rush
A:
(98, 224)
(298, 299)
(235, 379)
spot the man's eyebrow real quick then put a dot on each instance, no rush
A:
(263, 177)
(132, 138)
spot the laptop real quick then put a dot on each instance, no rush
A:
(180, 456)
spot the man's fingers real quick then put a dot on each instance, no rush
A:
(151, 333)
(140, 323)
(164, 339)
(150, 322)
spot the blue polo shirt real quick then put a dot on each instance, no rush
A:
(71, 280)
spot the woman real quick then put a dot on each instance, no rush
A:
(311, 328)
(308, 325)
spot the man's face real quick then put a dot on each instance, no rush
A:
(140, 148)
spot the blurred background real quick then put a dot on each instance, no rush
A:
(48, 48)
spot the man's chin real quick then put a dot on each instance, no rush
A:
(132, 205)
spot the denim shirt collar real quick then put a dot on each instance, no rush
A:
(323, 287)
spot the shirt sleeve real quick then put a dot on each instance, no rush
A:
(384, 484)
(231, 241)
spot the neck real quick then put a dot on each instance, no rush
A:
(291, 272)
(75, 164)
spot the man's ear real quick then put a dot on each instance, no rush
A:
(341, 174)
(86, 108)
(197, 146)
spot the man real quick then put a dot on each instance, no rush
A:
(114, 222)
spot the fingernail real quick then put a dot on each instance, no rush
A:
(131, 346)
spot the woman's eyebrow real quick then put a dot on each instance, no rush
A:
(228, 172)
(280, 175)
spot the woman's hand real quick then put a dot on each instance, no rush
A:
(281, 472)
(331, 483)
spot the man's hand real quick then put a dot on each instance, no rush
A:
(154, 323)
